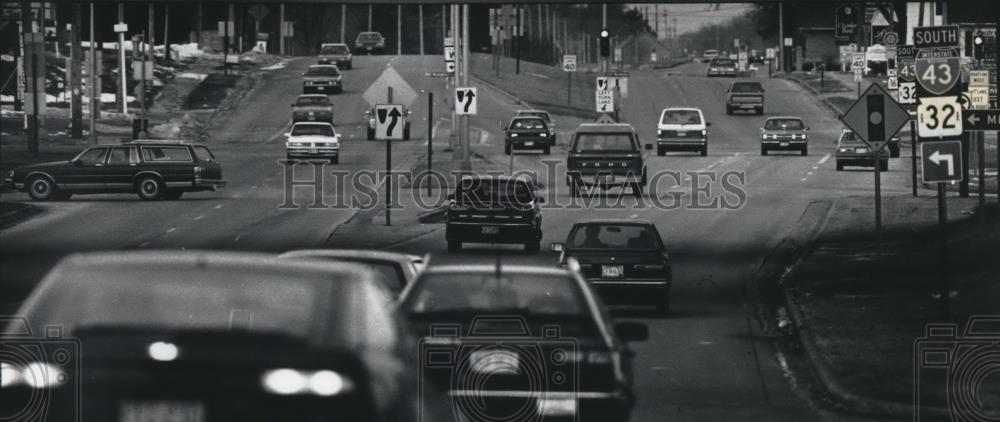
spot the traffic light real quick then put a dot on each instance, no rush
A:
(977, 47)
(605, 44)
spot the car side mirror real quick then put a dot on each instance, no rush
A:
(77, 162)
(540, 199)
(293, 104)
(807, 128)
(558, 247)
(632, 331)
(707, 124)
(649, 147)
(287, 134)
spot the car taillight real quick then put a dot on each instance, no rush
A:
(287, 382)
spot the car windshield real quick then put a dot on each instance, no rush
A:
(312, 130)
(590, 142)
(711, 53)
(369, 36)
(613, 236)
(849, 137)
(388, 273)
(485, 292)
(323, 71)
(191, 298)
(320, 100)
(475, 191)
(681, 117)
(746, 87)
(723, 62)
(784, 124)
(541, 114)
(335, 49)
(528, 124)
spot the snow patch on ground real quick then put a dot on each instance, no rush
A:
(191, 75)
(276, 66)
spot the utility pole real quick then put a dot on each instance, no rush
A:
(94, 100)
(75, 104)
(604, 27)
(121, 99)
(517, 42)
(369, 17)
(781, 34)
(281, 30)
(151, 30)
(420, 13)
(343, 22)
(31, 81)
(465, 77)
(166, 31)
(399, 29)
(200, 22)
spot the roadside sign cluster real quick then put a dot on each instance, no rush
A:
(449, 54)
(938, 73)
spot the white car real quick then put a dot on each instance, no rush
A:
(313, 140)
(682, 129)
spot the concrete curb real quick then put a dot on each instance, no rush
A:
(815, 94)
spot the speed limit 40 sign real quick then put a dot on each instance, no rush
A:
(569, 63)
(939, 117)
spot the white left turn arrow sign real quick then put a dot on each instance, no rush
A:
(937, 157)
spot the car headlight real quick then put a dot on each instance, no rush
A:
(10, 174)
(704, 132)
(659, 132)
(543, 134)
(513, 135)
(845, 150)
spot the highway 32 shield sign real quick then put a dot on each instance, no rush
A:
(939, 117)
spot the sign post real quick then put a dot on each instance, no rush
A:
(569, 66)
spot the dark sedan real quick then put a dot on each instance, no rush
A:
(521, 343)
(784, 134)
(625, 261)
(394, 270)
(151, 169)
(201, 336)
(528, 133)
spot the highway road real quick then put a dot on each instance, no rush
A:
(707, 360)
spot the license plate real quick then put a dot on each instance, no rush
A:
(490, 230)
(612, 271)
(784, 144)
(313, 151)
(161, 411)
(312, 117)
(528, 144)
(488, 361)
(681, 134)
(861, 150)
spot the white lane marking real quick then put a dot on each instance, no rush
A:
(809, 173)
(253, 187)
(815, 167)
(538, 75)
(658, 368)
(803, 179)
(705, 343)
(279, 133)
(172, 229)
(199, 217)
(634, 216)
(823, 160)
(144, 244)
(217, 206)
(237, 238)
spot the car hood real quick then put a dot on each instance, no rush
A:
(314, 139)
(43, 165)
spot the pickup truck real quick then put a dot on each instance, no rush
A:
(606, 155)
(745, 95)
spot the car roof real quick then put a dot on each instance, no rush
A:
(618, 221)
(352, 253)
(332, 44)
(370, 32)
(322, 65)
(313, 96)
(682, 109)
(605, 127)
(492, 269)
(519, 178)
(530, 111)
(785, 118)
(147, 142)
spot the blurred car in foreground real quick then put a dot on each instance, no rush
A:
(200, 336)
(394, 270)
(606, 156)
(312, 108)
(152, 169)
(540, 336)
(624, 260)
(682, 129)
(336, 54)
(322, 79)
(784, 134)
(852, 151)
(313, 140)
(488, 209)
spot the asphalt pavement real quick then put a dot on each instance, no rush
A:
(708, 360)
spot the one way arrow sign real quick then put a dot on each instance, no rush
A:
(981, 119)
(466, 101)
(389, 122)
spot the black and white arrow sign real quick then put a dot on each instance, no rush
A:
(389, 121)
(942, 161)
(466, 101)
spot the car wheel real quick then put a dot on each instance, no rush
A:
(533, 247)
(149, 188)
(454, 245)
(704, 150)
(760, 111)
(661, 151)
(371, 134)
(883, 165)
(729, 110)
(805, 151)
(335, 160)
(547, 150)
(663, 308)
(894, 152)
(763, 151)
(506, 149)
(840, 167)
(173, 194)
(406, 131)
(40, 188)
